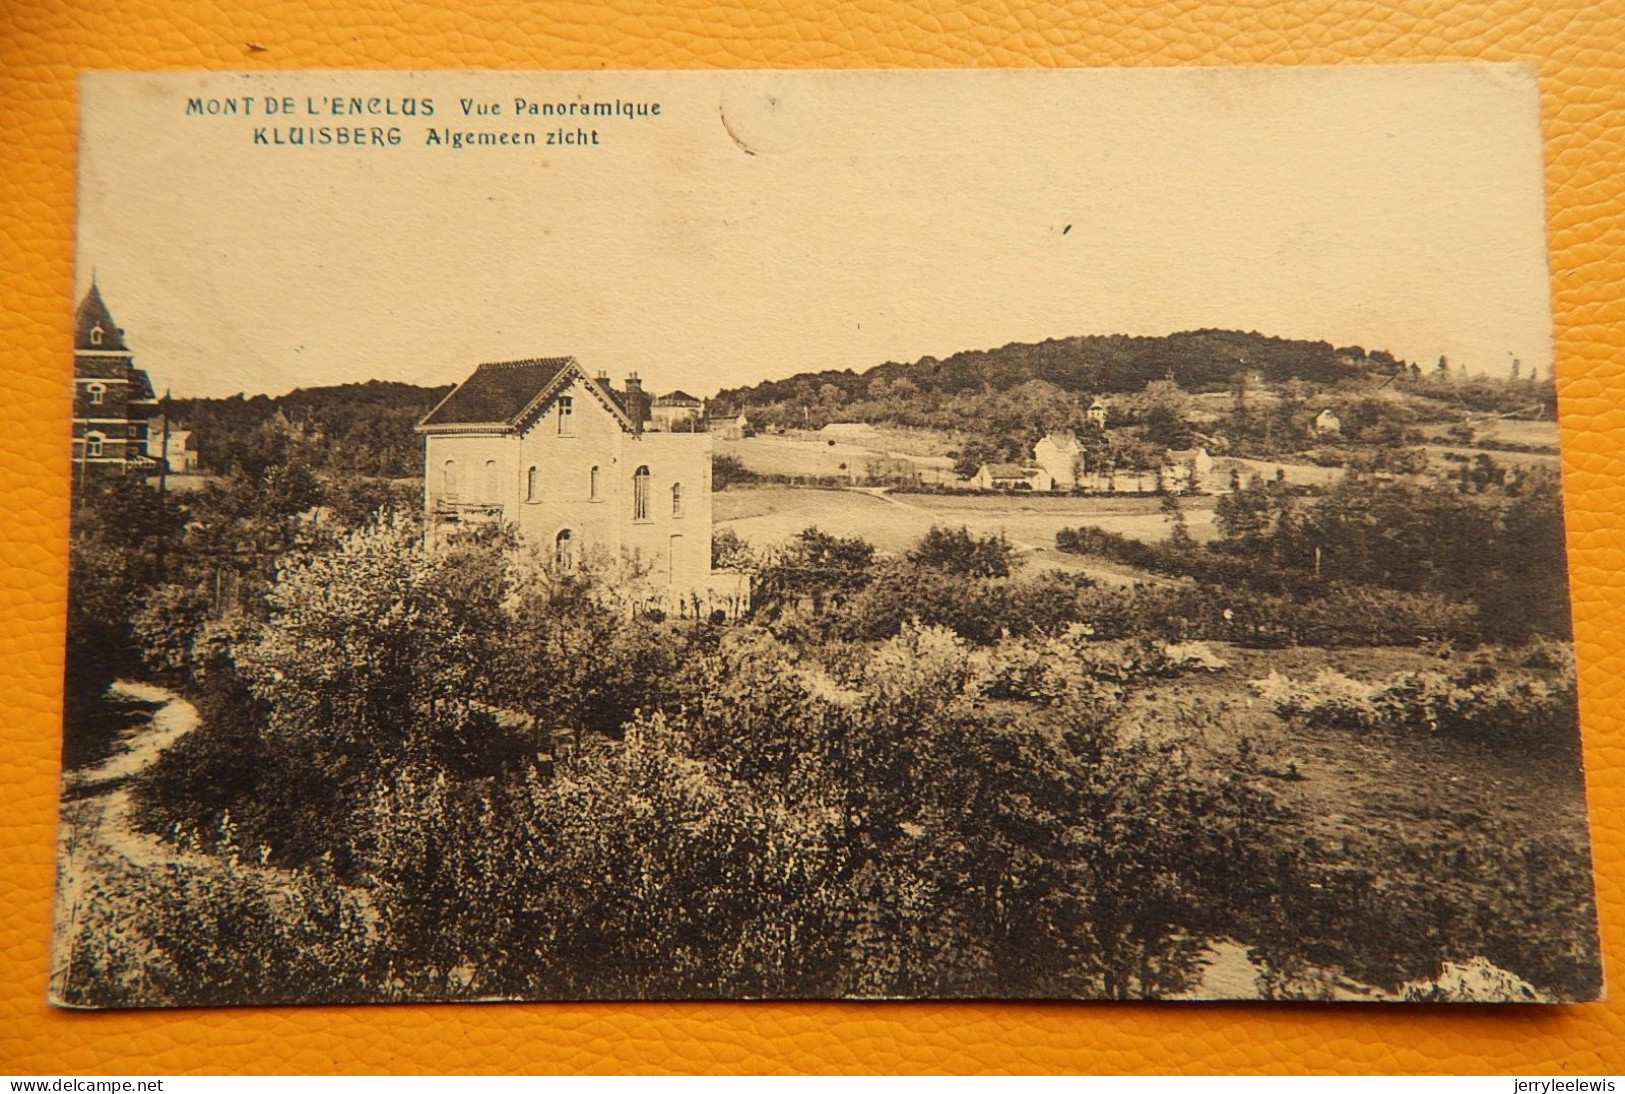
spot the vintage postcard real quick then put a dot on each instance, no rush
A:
(570, 535)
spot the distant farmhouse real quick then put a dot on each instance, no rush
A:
(180, 450)
(118, 425)
(1060, 454)
(1182, 470)
(1010, 476)
(1327, 423)
(568, 460)
(727, 425)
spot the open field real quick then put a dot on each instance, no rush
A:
(1509, 431)
(808, 455)
(768, 515)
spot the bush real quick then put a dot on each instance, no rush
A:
(211, 932)
(1528, 709)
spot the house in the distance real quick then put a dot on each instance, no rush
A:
(1060, 454)
(1327, 423)
(676, 412)
(1185, 470)
(172, 449)
(180, 450)
(1096, 414)
(564, 458)
(1010, 476)
(726, 425)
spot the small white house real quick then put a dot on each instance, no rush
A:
(1060, 455)
(1185, 469)
(1327, 423)
(1010, 476)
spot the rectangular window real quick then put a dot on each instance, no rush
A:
(566, 410)
(640, 494)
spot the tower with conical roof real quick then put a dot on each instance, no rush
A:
(113, 401)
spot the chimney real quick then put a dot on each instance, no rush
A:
(637, 402)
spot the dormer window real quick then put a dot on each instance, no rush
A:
(96, 393)
(566, 412)
(96, 335)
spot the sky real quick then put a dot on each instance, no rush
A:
(768, 223)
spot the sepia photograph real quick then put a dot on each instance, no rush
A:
(1089, 534)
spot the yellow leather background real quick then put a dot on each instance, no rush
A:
(1579, 48)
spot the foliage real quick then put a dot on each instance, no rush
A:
(727, 470)
(1505, 560)
(196, 931)
(362, 429)
(124, 537)
(1531, 710)
(931, 789)
(730, 552)
(816, 567)
(956, 551)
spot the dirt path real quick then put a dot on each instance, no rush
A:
(95, 817)
(99, 841)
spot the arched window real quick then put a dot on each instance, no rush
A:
(448, 479)
(533, 485)
(564, 556)
(491, 488)
(640, 494)
(96, 392)
(96, 335)
(676, 499)
(592, 484)
(93, 445)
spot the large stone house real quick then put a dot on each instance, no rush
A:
(565, 458)
(113, 401)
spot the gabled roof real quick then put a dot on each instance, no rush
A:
(676, 398)
(1010, 471)
(505, 394)
(1063, 438)
(93, 314)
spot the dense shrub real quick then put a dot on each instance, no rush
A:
(1534, 711)
(194, 931)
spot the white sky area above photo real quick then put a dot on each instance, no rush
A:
(770, 223)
